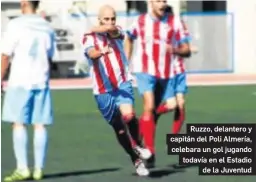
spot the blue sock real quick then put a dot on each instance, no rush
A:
(20, 140)
(40, 147)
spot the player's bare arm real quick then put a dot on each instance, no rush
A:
(4, 65)
(128, 47)
(112, 30)
(183, 50)
(94, 53)
(104, 29)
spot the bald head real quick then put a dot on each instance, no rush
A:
(107, 15)
(106, 10)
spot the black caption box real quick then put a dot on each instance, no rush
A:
(218, 149)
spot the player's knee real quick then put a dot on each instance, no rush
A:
(148, 108)
(180, 101)
(147, 117)
(126, 109)
(148, 102)
(39, 127)
(171, 104)
(18, 125)
(128, 117)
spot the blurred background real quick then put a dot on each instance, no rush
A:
(220, 30)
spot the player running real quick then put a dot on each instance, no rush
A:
(180, 85)
(111, 84)
(29, 45)
(162, 41)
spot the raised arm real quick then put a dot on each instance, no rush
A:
(104, 29)
(112, 30)
(91, 50)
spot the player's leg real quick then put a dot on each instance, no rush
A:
(164, 102)
(125, 101)
(158, 94)
(146, 84)
(42, 116)
(168, 103)
(180, 90)
(158, 90)
(108, 108)
(169, 100)
(130, 119)
(17, 110)
(125, 141)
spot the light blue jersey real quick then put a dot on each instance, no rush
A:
(30, 41)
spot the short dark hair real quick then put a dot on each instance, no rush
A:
(34, 4)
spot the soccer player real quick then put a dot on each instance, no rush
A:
(28, 44)
(162, 41)
(112, 86)
(180, 84)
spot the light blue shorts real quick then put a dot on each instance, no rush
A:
(28, 106)
(148, 82)
(109, 103)
(180, 84)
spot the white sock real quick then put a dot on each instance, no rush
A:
(40, 147)
(20, 140)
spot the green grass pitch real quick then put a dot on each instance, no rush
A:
(83, 147)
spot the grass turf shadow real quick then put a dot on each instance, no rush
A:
(79, 173)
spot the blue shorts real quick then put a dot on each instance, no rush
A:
(27, 106)
(180, 84)
(108, 103)
(148, 82)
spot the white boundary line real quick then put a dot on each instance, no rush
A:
(193, 84)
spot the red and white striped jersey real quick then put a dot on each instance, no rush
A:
(110, 70)
(152, 36)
